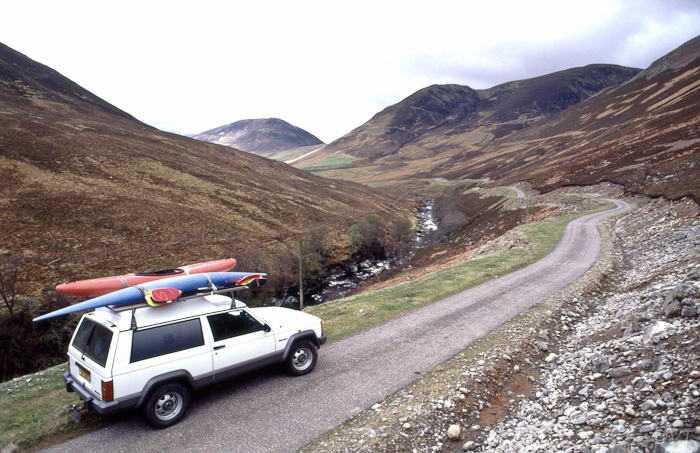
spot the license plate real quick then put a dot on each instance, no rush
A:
(84, 373)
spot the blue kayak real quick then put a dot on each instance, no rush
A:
(186, 285)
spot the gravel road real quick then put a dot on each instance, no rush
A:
(518, 193)
(271, 412)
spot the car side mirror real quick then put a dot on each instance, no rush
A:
(267, 328)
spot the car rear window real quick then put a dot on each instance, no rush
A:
(93, 340)
(167, 339)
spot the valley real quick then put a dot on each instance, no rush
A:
(354, 369)
(87, 190)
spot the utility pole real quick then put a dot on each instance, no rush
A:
(527, 213)
(301, 279)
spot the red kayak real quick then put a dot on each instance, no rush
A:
(100, 286)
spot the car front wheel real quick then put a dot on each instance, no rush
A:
(167, 405)
(302, 358)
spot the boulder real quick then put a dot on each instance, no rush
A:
(469, 446)
(679, 446)
(689, 311)
(602, 364)
(619, 372)
(672, 309)
(683, 295)
(658, 328)
(453, 432)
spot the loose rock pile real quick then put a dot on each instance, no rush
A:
(609, 365)
(628, 376)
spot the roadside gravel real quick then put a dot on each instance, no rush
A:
(609, 364)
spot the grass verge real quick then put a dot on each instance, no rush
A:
(34, 407)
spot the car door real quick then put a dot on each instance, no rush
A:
(240, 343)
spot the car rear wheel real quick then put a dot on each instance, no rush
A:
(167, 405)
(302, 358)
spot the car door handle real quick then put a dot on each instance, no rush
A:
(219, 347)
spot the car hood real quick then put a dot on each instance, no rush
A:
(286, 318)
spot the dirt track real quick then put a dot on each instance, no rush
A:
(269, 411)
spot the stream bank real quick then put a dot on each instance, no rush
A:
(349, 274)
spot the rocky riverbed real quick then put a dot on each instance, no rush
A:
(354, 273)
(610, 364)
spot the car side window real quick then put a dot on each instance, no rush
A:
(232, 324)
(166, 339)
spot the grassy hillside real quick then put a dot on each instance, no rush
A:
(87, 191)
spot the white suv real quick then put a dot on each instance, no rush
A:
(154, 357)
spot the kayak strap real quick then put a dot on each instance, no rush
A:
(211, 286)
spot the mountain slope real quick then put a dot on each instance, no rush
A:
(29, 84)
(439, 121)
(575, 127)
(644, 134)
(264, 137)
(88, 191)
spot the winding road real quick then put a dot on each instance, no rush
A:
(518, 193)
(270, 412)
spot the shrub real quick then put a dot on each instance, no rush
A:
(367, 238)
(27, 346)
(315, 249)
(402, 237)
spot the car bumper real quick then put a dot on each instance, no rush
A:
(92, 403)
(322, 339)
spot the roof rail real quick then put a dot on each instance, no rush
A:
(120, 308)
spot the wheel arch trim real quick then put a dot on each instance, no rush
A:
(309, 335)
(181, 376)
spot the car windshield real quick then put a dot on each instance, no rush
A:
(93, 340)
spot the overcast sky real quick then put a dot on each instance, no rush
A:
(325, 66)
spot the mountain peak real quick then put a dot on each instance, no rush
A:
(443, 119)
(260, 136)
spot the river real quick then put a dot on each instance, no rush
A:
(351, 273)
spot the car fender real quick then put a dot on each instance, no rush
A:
(182, 376)
(299, 336)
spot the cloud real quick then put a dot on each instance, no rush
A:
(627, 33)
(325, 66)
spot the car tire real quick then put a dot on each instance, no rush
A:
(167, 405)
(302, 358)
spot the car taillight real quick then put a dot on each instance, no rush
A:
(68, 363)
(107, 391)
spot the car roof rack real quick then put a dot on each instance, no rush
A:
(208, 292)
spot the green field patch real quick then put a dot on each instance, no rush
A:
(349, 173)
(332, 163)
